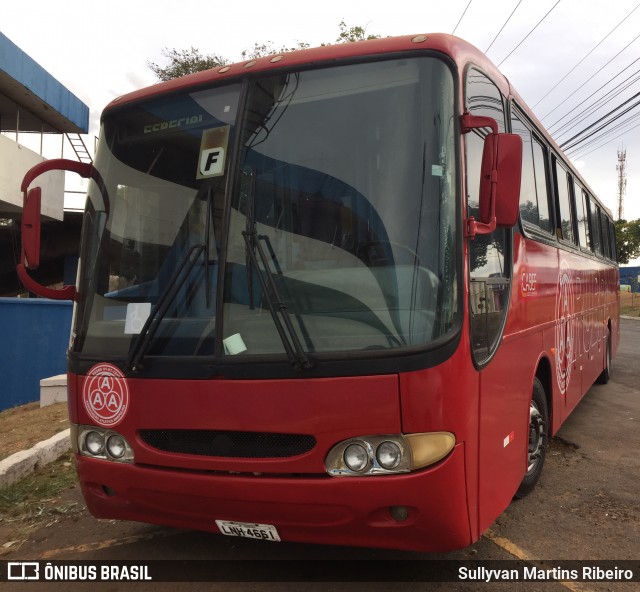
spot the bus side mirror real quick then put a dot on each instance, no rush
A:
(500, 177)
(509, 177)
(30, 228)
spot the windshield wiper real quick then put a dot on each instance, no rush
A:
(152, 324)
(275, 303)
(207, 244)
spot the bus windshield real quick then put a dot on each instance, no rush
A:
(325, 197)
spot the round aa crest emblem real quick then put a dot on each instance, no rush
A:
(106, 395)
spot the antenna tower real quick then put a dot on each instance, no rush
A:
(622, 181)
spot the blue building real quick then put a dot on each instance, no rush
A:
(35, 110)
(630, 276)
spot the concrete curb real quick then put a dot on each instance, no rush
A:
(23, 463)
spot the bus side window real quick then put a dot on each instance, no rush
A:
(539, 163)
(534, 199)
(596, 240)
(489, 255)
(529, 211)
(612, 238)
(606, 244)
(565, 222)
(582, 217)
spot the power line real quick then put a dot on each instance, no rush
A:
(550, 127)
(529, 33)
(464, 12)
(601, 128)
(623, 125)
(595, 106)
(604, 127)
(503, 26)
(591, 77)
(586, 56)
(605, 143)
(564, 144)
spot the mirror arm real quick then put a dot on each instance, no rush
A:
(474, 227)
(83, 169)
(469, 122)
(65, 293)
(56, 164)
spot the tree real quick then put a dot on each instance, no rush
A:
(186, 62)
(264, 49)
(351, 34)
(627, 240)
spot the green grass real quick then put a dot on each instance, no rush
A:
(34, 498)
(629, 304)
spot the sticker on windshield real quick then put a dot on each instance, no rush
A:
(105, 395)
(137, 315)
(213, 152)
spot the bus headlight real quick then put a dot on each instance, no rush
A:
(356, 457)
(94, 443)
(116, 446)
(389, 454)
(101, 443)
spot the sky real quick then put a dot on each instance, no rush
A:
(100, 49)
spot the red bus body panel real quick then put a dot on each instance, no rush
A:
(294, 494)
(349, 511)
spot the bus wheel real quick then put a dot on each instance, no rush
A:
(538, 437)
(605, 375)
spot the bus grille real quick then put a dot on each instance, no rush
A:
(228, 444)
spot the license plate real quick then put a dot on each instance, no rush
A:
(248, 530)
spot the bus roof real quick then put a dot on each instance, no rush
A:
(458, 49)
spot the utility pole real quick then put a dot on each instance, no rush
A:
(622, 181)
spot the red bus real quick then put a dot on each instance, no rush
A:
(342, 295)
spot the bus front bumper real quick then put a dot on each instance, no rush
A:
(352, 511)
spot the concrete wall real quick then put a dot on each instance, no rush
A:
(35, 337)
(15, 161)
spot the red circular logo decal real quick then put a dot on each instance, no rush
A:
(105, 395)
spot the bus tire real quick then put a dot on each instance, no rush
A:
(605, 375)
(538, 438)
